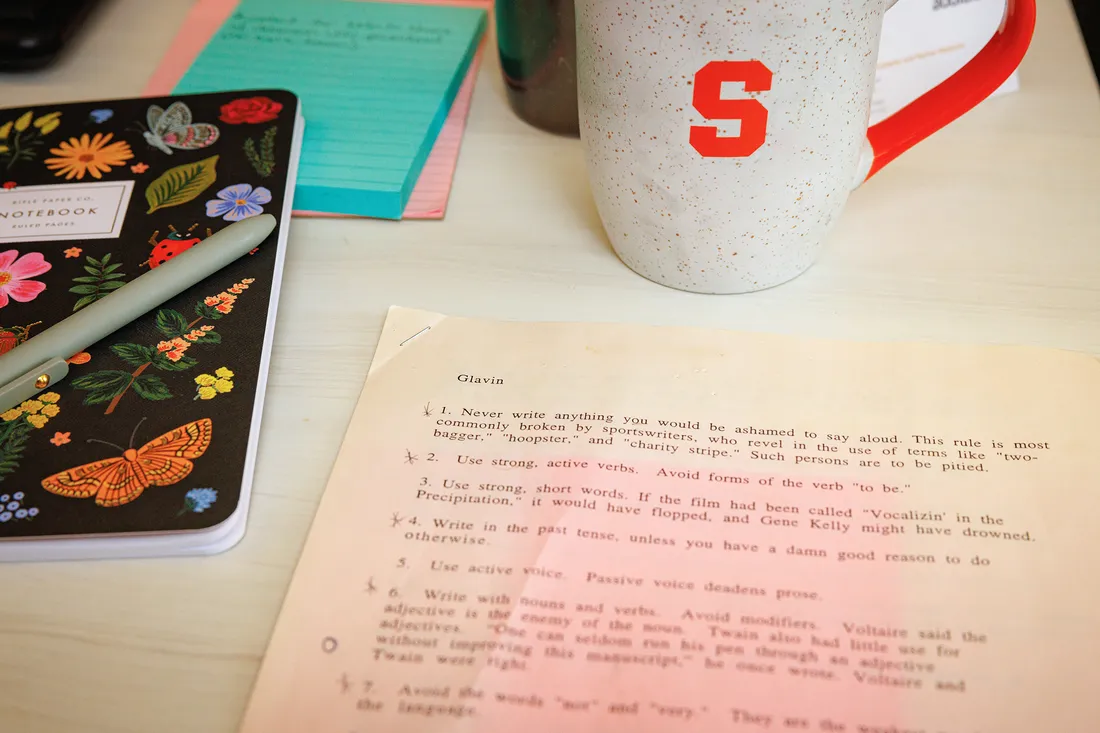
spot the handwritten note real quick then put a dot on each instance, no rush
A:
(550, 527)
(376, 82)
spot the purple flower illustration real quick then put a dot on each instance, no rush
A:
(237, 202)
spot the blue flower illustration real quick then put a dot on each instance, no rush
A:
(4, 498)
(198, 500)
(12, 510)
(99, 116)
(237, 202)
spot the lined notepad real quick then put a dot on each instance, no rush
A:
(376, 81)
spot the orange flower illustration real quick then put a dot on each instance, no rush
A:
(93, 155)
(173, 350)
(82, 357)
(60, 438)
(223, 301)
(73, 252)
(139, 168)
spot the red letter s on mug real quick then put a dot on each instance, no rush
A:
(708, 101)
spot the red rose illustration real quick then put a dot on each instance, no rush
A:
(250, 109)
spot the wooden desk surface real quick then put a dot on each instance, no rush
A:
(987, 232)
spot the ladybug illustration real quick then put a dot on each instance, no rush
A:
(12, 337)
(172, 245)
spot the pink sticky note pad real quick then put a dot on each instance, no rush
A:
(432, 189)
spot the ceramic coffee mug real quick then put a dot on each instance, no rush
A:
(722, 137)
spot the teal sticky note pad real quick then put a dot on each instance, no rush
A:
(376, 81)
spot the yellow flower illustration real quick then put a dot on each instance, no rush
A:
(76, 157)
(46, 119)
(11, 414)
(38, 420)
(49, 397)
(210, 386)
(32, 406)
(19, 137)
(51, 410)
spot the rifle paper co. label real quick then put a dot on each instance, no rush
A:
(64, 211)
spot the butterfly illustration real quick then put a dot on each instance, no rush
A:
(162, 461)
(172, 128)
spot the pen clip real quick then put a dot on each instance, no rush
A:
(28, 385)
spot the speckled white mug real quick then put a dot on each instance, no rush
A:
(722, 137)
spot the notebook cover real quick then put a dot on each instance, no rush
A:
(376, 80)
(91, 196)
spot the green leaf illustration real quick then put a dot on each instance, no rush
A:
(202, 310)
(102, 386)
(103, 379)
(209, 337)
(84, 290)
(171, 323)
(99, 283)
(150, 387)
(181, 184)
(100, 396)
(12, 443)
(263, 161)
(133, 354)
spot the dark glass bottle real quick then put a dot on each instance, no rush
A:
(537, 44)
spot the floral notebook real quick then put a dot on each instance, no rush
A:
(92, 195)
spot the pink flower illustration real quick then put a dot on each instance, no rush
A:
(14, 274)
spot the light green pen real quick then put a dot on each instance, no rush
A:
(39, 362)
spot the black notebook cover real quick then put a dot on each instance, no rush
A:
(154, 429)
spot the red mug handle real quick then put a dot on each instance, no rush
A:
(960, 92)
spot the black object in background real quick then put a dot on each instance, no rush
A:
(33, 33)
(538, 57)
(1088, 17)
